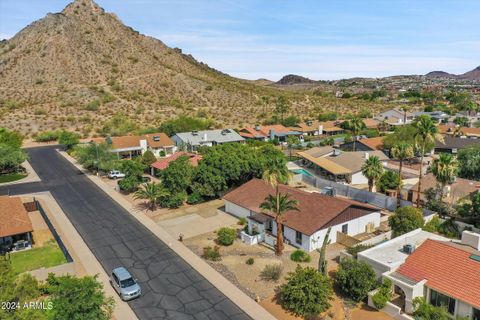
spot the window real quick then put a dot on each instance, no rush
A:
(298, 237)
(269, 225)
(476, 314)
(441, 300)
(345, 228)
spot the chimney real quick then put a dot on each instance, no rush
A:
(205, 137)
(272, 134)
(367, 155)
(257, 127)
(471, 239)
(320, 129)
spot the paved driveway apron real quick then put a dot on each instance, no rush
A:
(172, 289)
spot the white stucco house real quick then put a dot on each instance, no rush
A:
(305, 228)
(421, 264)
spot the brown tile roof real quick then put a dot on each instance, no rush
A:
(447, 268)
(13, 217)
(316, 210)
(460, 189)
(264, 131)
(354, 160)
(450, 129)
(124, 142)
(163, 140)
(373, 143)
(370, 123)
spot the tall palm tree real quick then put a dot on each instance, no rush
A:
(401, 151)
(426, 134)
(151, 192)
(372, 169)
(355, 124)
(277, 174)
(445, 169)
(405, 109)
(279, 204)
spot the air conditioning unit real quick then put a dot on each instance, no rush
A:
(409, 248)
(156, 138)
(194, 133)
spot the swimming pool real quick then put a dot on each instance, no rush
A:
(302, 171)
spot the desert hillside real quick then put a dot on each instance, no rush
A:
(77, 68)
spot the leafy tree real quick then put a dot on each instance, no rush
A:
(148, 158)
(282, 106)
(390, 180)
(291, 121)
(401, 151)
(185, 123)
(11, 138)
(471, 209)
(426, 133)
(432, 225)
(435, 203)
(306, 293)
(177, 177)
(174, 201)
(68, 139)
(292, 141)
(469, 163)
(355, 279)
(94, 156)
(151, 192)
(129, 184)
(427, 311)
(79, 298)
(279, 203)
(226, 236)
(209, 182)
(328, 116)
(372, 169)
(118, 125)
(11, 158)
(405, 219)
(461, 121)
(132, 168)
(383, 295)
(445, 170)
(405, 133)
(355, 124)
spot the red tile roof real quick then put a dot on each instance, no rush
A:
(164, 163)
(447, 268)
(317, 211)
(264, 131)
(13, 217)
(373, 143)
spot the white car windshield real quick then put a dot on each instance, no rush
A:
(127, 283)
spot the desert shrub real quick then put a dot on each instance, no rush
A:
(250, 261)
(174, 201)
(432, 225)
(383, 295)
(300, 256)
(242, 221)
(47, 136)
(226, 236)
(194, 198)
(358, 248)
(449, 229)
(129, 184)
(355, 279)
(271, 272)
(211, 253)
(93, 105)
(306, 293)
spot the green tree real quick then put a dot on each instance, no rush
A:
(355, 279)
(426, 134)
(279, 203)
(390, 180)
(461, 121)
(405, 219)
(405, 133)
(132, 168)
(355, 124)
(152, 192)
(383, 295)
(177, 177)
(79, 298)
(291, 121)
(445, 169)
(401, 151)
(68, 139)
(282, 106)
(185, 123)
(94, 156)
(306, 293)
(292, 141)
(427, 311)
(148, 158)
(11, 138)
(469, 163)
(372, 169)
(471, 209)
(11, 158)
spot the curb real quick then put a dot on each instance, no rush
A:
(238, 297)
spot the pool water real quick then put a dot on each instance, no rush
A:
(302, 171)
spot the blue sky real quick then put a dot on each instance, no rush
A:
(318, 39)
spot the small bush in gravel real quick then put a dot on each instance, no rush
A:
(250, 261)
(271, 272)
(212, 254)
(300, 256)
(242, 221)
(226, 236)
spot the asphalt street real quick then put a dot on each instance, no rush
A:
(171, 288)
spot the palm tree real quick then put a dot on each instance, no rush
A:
(280, 203)
(405, 109)
(401, 151)
(151, 192)
(291, 142)
(383, 125)
(426, 134)
(372, 169)
(458, 132)
(445, 169)
(355, 124)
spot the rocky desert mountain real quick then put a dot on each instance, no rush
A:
(473, 75)
(77, 68)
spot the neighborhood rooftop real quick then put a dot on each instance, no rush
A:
(14, 217)
(200, 137)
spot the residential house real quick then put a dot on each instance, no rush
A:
(269, 133)
(341, 166)
(395, 117)
(444, 272)
(367, 144)
(371, 123)
(162, 164)
(331, 128)
(438, 116)
(194, 139)
(459, 189)
(468, 132)
(131, 146)
(15, 224)
(306, 228)
(452, 144)
(316, 152)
